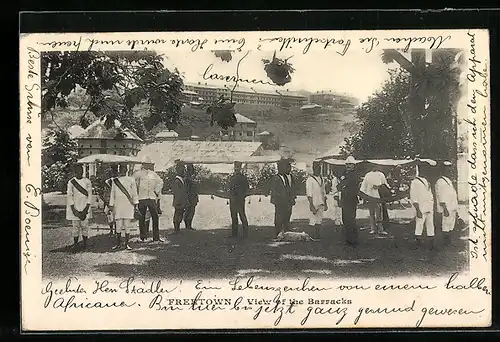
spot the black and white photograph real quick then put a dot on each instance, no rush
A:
(309, 160)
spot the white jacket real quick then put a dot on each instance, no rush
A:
(421, 193)
(445, 193)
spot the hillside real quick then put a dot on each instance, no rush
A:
(307, 135)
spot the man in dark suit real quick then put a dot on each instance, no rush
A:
(180, 198)
(349, 187)
(283, 196)
(238, 190)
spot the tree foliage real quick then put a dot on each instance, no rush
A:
(132, 77)
(414, 112)
(278, 70)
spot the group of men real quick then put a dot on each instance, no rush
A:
(138, 196)
(126, 198)
(374, 190)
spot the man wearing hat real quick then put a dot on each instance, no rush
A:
(282, 196)
(238, 189)
(370, 186)
(447, 201)
(149, 186)
(78, 209)
(316, 195)
(123, 201)
(193, 198)
(180, 199)
(423, 201)
(349, 187)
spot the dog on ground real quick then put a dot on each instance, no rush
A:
(294, 237)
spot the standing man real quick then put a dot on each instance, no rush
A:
(372, 182)
(336, 200)
(192, 192)
(149, 186)
(124, 202)
(79, 199)
(109, 213)
(348, 187)
(238, 190)
(423, 201)
(316, 195)
(447, 202)
(180, 196)
(282, 196)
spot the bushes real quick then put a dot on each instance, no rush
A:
(208, 182)
(55, 177)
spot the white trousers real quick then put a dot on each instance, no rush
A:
(449, 222)
(123, 225)
(427, 220)
(316, 218)
(80, 227)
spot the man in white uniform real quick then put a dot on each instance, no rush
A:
(447, 202)
(123, 201)
(316, 194)
(372, 181)
(78, 211)
(423, 201)
(149, 186)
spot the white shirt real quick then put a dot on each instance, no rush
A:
(420, 193)
(371, 180)
(315, 188)
(445, 193)
(123, 209)
(335, 183)
(149, 184)
(287, 177)
(76, 198)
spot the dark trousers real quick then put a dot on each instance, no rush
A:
(237, 208)
(143, 229)
(178, 217)
(350, 231)
(282, 215)
(188, 215)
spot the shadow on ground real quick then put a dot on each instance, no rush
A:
(209, 253)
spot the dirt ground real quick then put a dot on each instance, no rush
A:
(207, 252)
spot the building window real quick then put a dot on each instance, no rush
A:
(250, 133)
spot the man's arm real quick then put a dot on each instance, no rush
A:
(70, 199)
(440, 187)
(414, 196)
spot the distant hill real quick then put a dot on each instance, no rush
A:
(306, 134)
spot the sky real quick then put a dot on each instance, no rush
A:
(357, 73)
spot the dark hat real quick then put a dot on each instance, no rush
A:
(237, 164)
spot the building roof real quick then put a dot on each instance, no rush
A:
(243, 119)
(264, 133)
(189, 92)
(109, 158)
(165, 153)
(97, 130)
(310, 106)
(167, 134)
(75, 130)
(241, 89)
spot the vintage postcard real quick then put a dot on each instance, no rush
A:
(255, 180)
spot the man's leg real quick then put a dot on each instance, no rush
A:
(243, 218)
(142, 220)
(119, 229)
(419, 229)
(153, 210)
(317, 223)
(429, 227)
(287, 226)
(75, 227)
(85, 232)
(379, 218)
(233, 208)
(178, 216)
(278, 218)
(372, 208)
(188, 216)
(126, 228)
